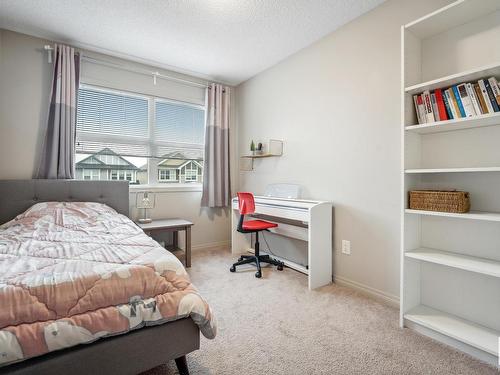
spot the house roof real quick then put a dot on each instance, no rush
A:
(176, 160)
(92, 162)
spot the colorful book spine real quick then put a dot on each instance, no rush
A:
(485, 95)
(482, 103)
(447, 105)
(456, 94)
(496, 88)
(421, 109)
(491, 96)
(435, 110)
(466, 100)
(416, 100)
(453, 103)
(443, 115)
(473, 97)
(426, 96)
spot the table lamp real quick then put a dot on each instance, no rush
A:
(146, 201)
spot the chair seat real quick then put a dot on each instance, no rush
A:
(258, 225)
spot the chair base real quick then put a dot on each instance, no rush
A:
(257, 259)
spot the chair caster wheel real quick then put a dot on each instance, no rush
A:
(258, 274)
(280, 267)
(232, 269)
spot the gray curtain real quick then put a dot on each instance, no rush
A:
(216, 183)
(58, 151)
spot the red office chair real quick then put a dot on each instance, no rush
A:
(247, 206)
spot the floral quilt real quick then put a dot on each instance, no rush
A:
(71, 273)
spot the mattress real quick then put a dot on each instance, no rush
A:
(74, 272)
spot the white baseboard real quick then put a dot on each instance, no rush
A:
(223, 245)
(379, 295)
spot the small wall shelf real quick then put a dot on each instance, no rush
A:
(274, 149)
(259, 156)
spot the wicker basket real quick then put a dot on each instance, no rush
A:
(440, 200)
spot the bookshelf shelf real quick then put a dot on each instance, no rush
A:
(463, 262)
(441, 288)
(452, 170)
(472, 215)
(492, 119)
(453, 15)
(453, 79)
(450, 325)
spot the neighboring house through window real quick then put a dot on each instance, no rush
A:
(105, 165)
(118, 139)
(178, 168)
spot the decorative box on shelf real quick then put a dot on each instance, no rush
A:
(440, 200)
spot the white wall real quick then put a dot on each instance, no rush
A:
(24, 98)
(25, 78)
(336, 105)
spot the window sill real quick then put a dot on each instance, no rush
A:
(166, 188)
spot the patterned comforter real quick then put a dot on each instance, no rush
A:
(71, 273)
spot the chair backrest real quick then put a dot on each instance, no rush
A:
(246, 203)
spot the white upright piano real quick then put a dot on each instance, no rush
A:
(305, 220)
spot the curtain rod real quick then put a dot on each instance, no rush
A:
(155, 75)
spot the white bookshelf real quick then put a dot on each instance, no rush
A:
(450, 263)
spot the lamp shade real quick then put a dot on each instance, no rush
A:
(145, 200)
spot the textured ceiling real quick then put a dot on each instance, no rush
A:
(225, 40)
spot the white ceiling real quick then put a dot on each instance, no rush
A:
(225, 40)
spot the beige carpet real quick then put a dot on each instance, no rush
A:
(274, 325)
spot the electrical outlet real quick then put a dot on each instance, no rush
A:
(346, 247)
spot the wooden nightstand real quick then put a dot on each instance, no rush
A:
(172, 225)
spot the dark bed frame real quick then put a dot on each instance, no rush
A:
(130, 353)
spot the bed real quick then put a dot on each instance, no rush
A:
(84, 290)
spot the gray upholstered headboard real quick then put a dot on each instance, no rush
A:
(17, 196)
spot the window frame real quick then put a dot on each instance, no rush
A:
(150, 141)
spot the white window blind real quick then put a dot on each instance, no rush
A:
(120, 122)
(179, 128)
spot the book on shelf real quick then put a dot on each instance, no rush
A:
(447, 105)
(473, 98)
(443, 114)
(429, 115)
(419, 108)
(435, 107)
(466, 100)
(480, 97)
(485, 96)
(463, 100)
(496, 89)
(460, 105)
(491, 96)
(453, 104)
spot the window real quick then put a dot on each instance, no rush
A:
(167, 175)
(131, 137)
(191, 172)
(91, 174)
